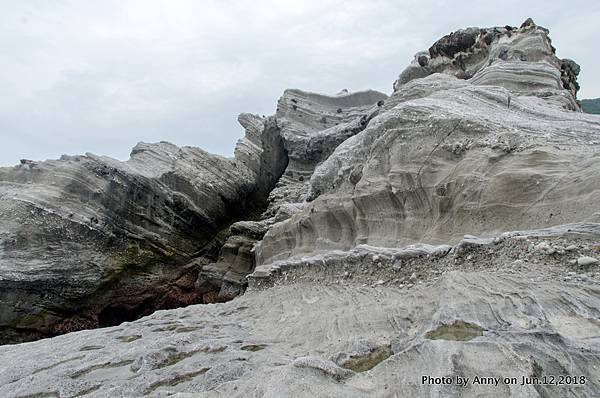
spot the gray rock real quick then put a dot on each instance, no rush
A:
(193, 350)
(413, 181)
(422, 188)
(527, 23)
(322, 365)
(90, 241)
(423, 60)
(475, 52)
(453, 43)
(587, 261)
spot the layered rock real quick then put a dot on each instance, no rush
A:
(226, 278)
(90, 241)
(521, 59)
(364, 325)
(383, 254)
(311, 127)
(496, 148)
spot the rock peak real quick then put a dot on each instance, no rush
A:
(528, 22)
(520, 59)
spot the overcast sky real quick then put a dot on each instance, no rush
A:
(101, 75)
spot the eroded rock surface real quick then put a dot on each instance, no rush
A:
(89, 241)
(451, 229)
(483, 153)
(311, 127)
(521, 59)
(525, 311)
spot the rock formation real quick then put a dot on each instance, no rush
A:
(449, 156)
(369, 323)
(451, 229)
(311, 126)
(89, 241)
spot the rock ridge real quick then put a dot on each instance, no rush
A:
(449, 229)
(89, 241)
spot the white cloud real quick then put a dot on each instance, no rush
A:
(100, 76)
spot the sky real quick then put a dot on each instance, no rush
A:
(100, 76)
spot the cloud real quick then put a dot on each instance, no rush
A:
(101, 76)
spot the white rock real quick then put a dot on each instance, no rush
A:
(585, 261)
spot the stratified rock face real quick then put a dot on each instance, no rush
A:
(521, 60)
(227, 276)
(450, 230)
(494, 150)
(366, 324)
(88, 240)
(311, 127)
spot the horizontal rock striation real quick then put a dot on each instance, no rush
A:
(521, 59)
(88, 240)
(446, 156)
(311, 127)
(368, 327)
